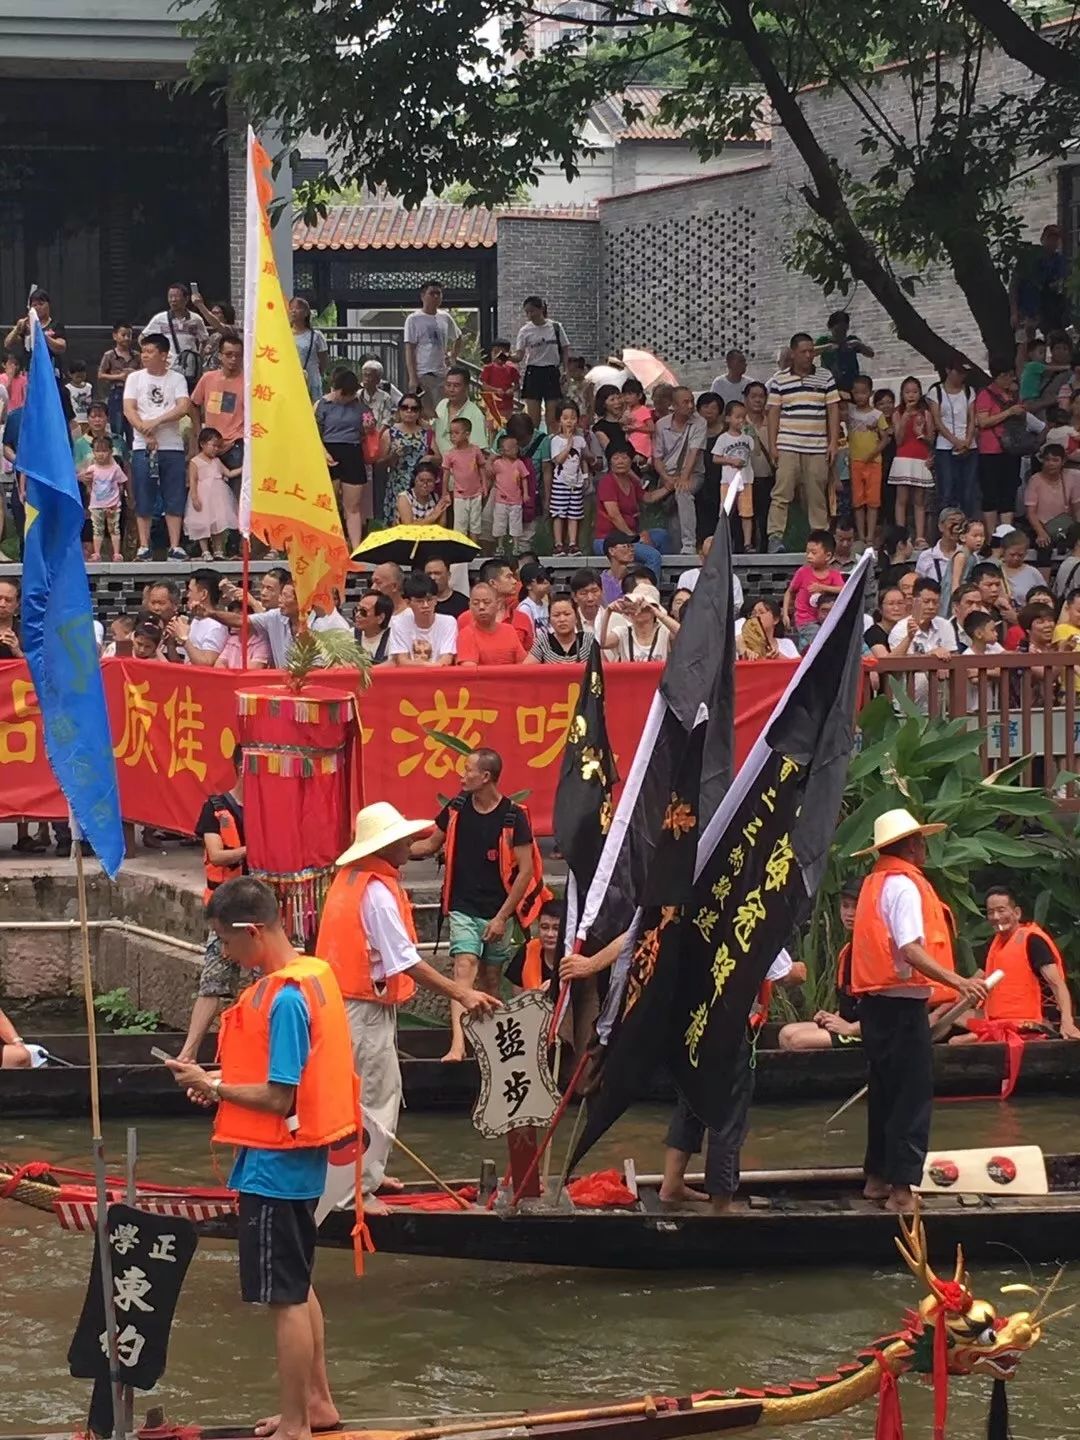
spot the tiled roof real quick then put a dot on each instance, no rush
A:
(647, 99)
(436, 226)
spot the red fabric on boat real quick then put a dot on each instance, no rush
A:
(890, 1420)
(604, 1187)
(428, 1201)
(1008, 1033)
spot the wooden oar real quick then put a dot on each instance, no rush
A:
(464, 1204)
(942, 1027)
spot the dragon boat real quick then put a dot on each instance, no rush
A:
(133, 1084)
(779, 1219)
(951, 1333)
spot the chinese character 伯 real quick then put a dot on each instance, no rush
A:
(516, 1091)
(509, 1039)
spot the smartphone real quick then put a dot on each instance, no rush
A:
(159, 1054)
(195, 287)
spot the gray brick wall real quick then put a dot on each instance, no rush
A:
(559, 260)
(236, 149)
(693, 268)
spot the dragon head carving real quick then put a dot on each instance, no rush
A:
(979, 1341)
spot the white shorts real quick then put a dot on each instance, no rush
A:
(506, 520)
(468, 513)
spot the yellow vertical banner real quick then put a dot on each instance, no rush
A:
(287, 499)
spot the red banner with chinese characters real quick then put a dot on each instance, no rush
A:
(174, 728)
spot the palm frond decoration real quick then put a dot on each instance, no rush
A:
(326, 650)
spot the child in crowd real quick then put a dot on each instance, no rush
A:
(638, 423)
(536, 582)
(810, 582)
(575, 386)
(465, 479)
(106, 480)
(982, 639)
(499, 378)
(732, 451)
(80, 390)
(968, 552)
(868, 434)
(211, 507)
(910, 473)
(507, 473)
(120, 632)
(566, 483)
(885, 401)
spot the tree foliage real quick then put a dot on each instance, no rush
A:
(420, 99)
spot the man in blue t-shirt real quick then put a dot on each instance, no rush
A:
(278, 1184)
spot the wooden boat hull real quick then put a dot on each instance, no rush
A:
(775, 1223)
(133, 1084)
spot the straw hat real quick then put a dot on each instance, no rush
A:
(896, 825)
(378, 826)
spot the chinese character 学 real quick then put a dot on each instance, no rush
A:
(509, 1039)
(516, 1091)
(124, 1238)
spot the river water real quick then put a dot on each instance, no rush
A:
(420, 1337)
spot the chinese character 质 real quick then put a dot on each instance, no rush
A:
(139, 712)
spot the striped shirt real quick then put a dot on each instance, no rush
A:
(549, 651)
(803, 401)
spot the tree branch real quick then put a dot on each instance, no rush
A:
(830, 204)
(1017, 38)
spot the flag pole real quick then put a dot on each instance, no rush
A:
(97, 1142)
(245, 582)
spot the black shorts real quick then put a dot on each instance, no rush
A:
(541, 382)
(350, 468)
(999, 480)
(277, 1249)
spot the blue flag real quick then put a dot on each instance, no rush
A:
(57, 624)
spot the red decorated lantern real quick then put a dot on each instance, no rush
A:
(301, 790)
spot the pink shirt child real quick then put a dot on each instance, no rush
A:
(464, 467)
(804, 577)
(105, 483)
(510, 478)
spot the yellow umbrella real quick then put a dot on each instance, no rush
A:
(416, 545)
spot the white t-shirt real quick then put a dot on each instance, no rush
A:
(567, 459)
(730, 390)
(632, 649)
(739, 448)
(541, 343)
(901, 909)
(939, 636)
(432, 335)
(390, 951)
(208, 634)
(973, 683)
(442, 636)
(954, 412)
(189, 331)
(156, 395)
(689, 578)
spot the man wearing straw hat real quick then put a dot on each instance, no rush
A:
(368, 938)
(901, 946)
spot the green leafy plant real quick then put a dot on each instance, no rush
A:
(998, 830)
(462, 747)
(326, 650)
(123, 1016)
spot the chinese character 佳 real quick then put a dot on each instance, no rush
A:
(131, 1288)
(509, 1039)
(516, 1091)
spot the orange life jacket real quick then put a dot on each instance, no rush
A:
(1019, 996)
(873, 966)
(535, 897)
(230, 837)
(343, 942)
(843, 970)
(327, 1098)
(532, 971)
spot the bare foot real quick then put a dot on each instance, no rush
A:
(900, 1201)
(374, 1206)
(454, 1055)
(720, 1204)
(682, 1195)
(876, 1189)
(392, 1184)
(322, 1418)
